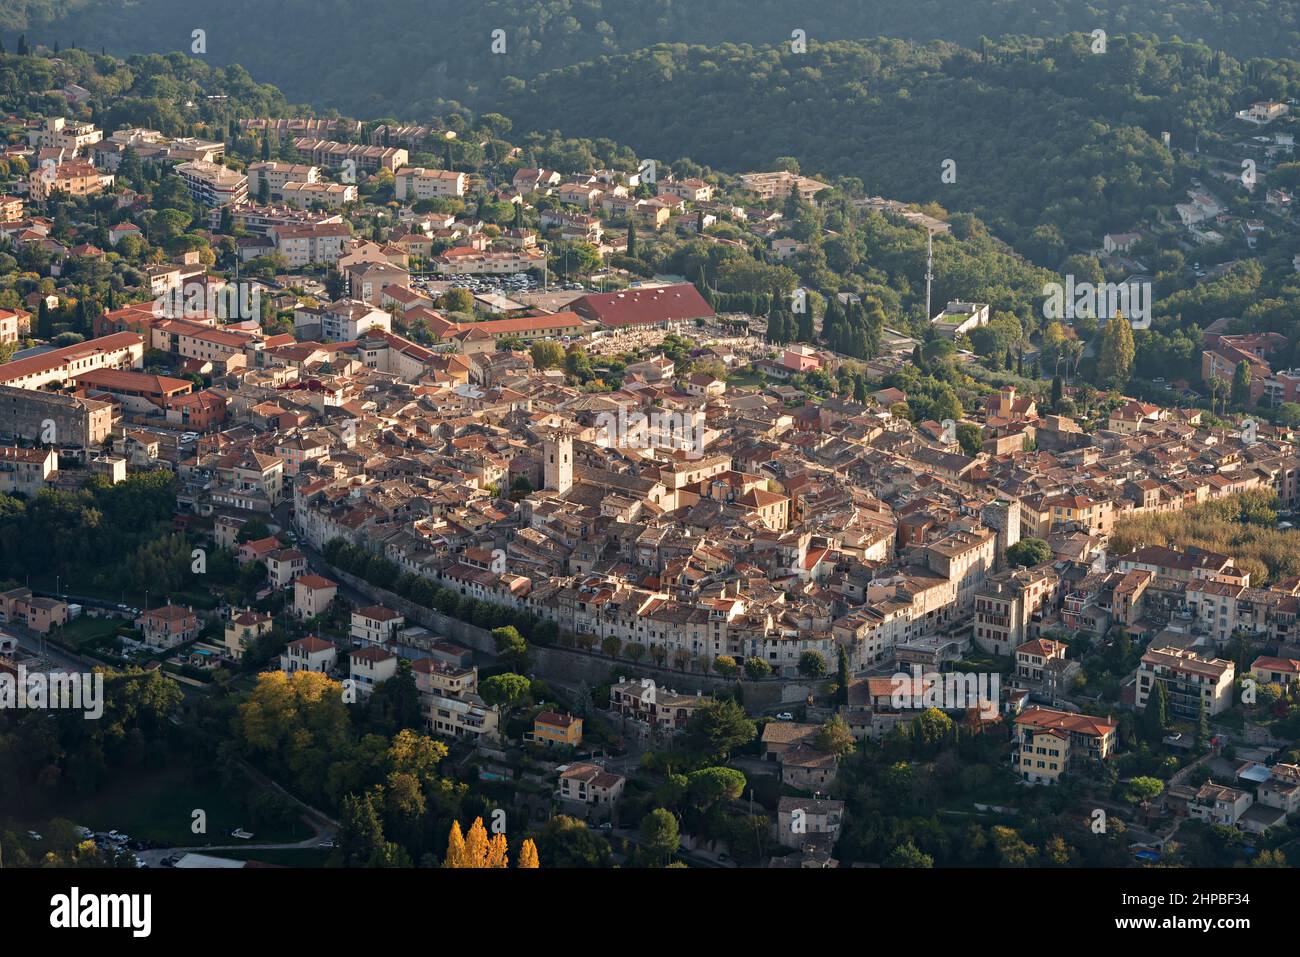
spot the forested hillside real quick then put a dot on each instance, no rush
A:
(441, 50)
(1053, 145)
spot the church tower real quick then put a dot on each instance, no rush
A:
(557, 461)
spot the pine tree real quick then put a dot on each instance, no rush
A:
(1058, 392)
(528, 854)
(1202, 728)
(631, 237)
(23, 48)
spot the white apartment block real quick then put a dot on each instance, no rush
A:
(276, 175)
(60, 133)
(328, 195)
(1189, 681)
(347, 319)
(414, 183)
(212, 184)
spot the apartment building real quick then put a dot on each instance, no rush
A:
(304, 245)
(351, 156)
(61, 133)
(469, 261)
(71, 178)
(123, 350)
(25, 471)
(780, 184)
(327, 195)
(1046, 743)
(1005, 606)
(275, 175)
(349, 319)
(1190, 682)
(964, 558)
(414, 183)
(212, 184)
(661, 709)
(197, 340)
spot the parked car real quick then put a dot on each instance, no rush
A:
(785, 716)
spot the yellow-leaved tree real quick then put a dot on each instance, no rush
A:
(497, 852)
(455, 848)
(478, 851)
(528, 854)
(476, 845)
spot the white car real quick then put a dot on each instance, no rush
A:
(785, 716)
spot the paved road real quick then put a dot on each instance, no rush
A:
(154, 856)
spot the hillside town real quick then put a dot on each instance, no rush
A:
(630, 536)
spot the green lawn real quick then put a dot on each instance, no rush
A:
(84, 631)
(158, 806)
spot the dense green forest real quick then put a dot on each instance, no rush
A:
(319, 51)
(1053, 145)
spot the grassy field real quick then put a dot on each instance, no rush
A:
(158, 806)
(85, 631)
